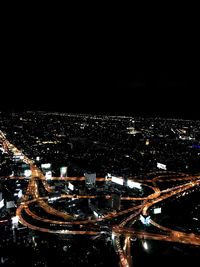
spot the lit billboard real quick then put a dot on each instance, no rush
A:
(15, 220)
(46, 166)
(20, 194)
(71, 186)
(132, 184)
(157, 210)
(1, 203)
(27, 173)
(161, 166)
(117, 180)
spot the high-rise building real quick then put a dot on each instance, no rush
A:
(46, 168)
(90, 179)
(10, 204)
(63, 171)
(115, 201)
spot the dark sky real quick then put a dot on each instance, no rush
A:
(148, 74)
(150, 93)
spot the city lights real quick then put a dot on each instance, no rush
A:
(94, 189)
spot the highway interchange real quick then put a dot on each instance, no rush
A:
(91, 227)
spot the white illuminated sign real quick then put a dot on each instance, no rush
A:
(46, 166)
(132, 184)
(113, 236)
(15, 221)
(27, 173)
(157, 210)
(96, 214)
(70, 186)
(48, 174)
(1, 203)
(117, 180)
(20, 194)
(145, 245)
(52, 199)
(161, 166)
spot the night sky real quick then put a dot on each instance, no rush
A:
(148, 74)
(151, 93)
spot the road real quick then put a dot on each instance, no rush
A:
(32, 220)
